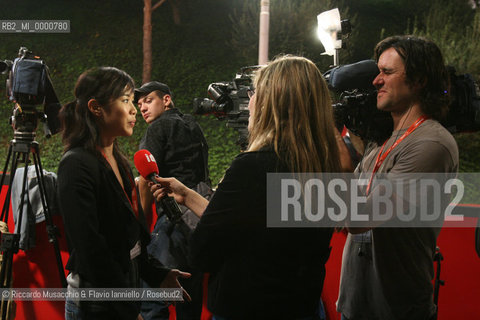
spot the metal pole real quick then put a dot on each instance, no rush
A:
(263, 33)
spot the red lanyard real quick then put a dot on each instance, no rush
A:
(134, 201)
(381, 158)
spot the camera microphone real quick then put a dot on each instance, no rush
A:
(148, 169)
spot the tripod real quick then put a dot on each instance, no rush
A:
(19, 151)
(437, 257)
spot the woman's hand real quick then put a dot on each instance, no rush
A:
(171, 281)
(171, 187)
(182, 194)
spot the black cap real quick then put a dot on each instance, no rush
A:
(150, 87)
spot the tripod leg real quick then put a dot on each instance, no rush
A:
(8, 244)
(438, 257)
(23, 194)
(477, 238)
(6, 204)
(5, 168)
(7, 256)
(52, 230)
(9, 241)
(5, 265)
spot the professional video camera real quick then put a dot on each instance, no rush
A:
(229, 101)
(357, 109)
(464, 112)
(357, 105)
(28, 85)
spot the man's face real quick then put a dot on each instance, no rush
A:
(152, 106)
(394, 93)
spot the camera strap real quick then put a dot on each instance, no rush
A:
(381, 157)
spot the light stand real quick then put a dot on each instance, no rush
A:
(330, 31)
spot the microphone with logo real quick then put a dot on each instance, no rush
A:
(148, 169)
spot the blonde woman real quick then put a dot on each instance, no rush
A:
(260, 272)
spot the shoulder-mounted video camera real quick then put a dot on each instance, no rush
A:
(229, 101)
(356, 105)
(28, 85)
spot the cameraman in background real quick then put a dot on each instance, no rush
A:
(180, 150)
(387, 272)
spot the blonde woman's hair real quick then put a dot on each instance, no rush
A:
(293, 113)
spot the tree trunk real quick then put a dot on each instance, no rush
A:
(147, 41)
(147, 38)
(176, 11)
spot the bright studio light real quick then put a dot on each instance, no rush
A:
(329, 25)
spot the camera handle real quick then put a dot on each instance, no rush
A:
(438, 257)
(19, 151)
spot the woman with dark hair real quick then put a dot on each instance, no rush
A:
(104, 225)
(259, 272)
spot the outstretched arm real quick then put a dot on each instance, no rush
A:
(183, 195)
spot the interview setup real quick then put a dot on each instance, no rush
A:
(354, 280)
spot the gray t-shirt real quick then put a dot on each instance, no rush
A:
(387, 272)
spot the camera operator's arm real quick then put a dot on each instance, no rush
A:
(180, 192)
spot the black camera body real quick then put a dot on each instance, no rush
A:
(464, 112)
(229, 101)
(357, 106)
(28, 85)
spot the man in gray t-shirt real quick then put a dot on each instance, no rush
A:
(387, 272)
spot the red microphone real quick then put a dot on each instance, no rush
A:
(146, 165)
(148, 169)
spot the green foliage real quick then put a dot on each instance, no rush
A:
(468, 146)
(222, 147)
(186, 57)
(292, 29)
(455, 28)
(293, 24)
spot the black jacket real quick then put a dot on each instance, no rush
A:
(101, 227)
(257, 272)
(179, 147)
